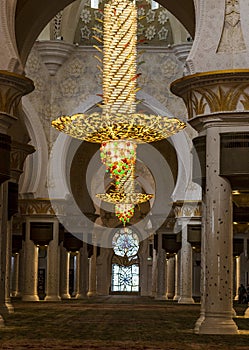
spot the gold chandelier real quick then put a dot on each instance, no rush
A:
(119, 128)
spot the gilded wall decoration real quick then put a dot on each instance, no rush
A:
(187, 209)
(40, 207)
(218, 99)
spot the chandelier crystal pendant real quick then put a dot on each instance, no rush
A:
(119, 128)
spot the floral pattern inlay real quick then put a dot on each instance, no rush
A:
(153, 25)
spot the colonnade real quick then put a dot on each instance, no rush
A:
(174, 276)
(173, 273)
(161, 275)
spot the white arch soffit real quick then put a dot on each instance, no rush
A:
(57, 169)
(184, 188)
(34, 177)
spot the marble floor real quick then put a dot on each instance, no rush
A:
(113, 323)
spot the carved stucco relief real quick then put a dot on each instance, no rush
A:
(232, 37)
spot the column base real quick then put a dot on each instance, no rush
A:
(217, 325)
(91, 294)
(183, 300)
(246, 314)
(16, 295)
(2, 324)
(176, 297)
(6, 309)
(65, 296)
(199, 322)
(52, 298)
(161, 297)
(81, 296)
(30, 297)
(170, 296)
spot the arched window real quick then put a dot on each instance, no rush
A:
(125, 264)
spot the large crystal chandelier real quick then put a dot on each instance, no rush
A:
(119, 128)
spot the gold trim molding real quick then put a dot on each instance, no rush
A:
(40, 207)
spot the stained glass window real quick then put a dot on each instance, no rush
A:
(125, 267)
(125, 242)
(125, 278)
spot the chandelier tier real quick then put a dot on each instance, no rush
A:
(119, 158)
(119, 127)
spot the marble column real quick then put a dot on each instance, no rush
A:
(213, 90)
(19, 152)
(92, 291)
(246, 315)
(82, 273)
(161, 271)
(30, 268)
(237, 277)
(21, 273)
(5, 257)
(218, 239)
(186, 265)
(203, 266)
(161, 275)
(12, 88)
(245, 258)
(15, 275)
(170, 278)
(64, 272)
(177, 275)
(5, 142)
(154, 273)
(53, 258)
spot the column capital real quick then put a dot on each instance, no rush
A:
(41, 207)
(12, 87)
(18, 154)
(187, 209)
(215, 96)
